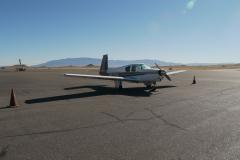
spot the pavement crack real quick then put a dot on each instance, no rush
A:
(166, 122)
(74, 129)
(118, 120)
(126, 119)
(138, 119)
(153, 113)
(59, 130)
(112, 116)
(129, 114)
(222, 92)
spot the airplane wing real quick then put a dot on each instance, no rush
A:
(131, 79)
(175, 72)
(94, 76)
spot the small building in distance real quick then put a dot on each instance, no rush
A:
(90, 66)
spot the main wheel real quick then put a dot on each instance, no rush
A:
(149, 86)
(120, 87)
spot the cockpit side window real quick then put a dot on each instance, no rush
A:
(139, 68)
(134, 67)
(127, 69)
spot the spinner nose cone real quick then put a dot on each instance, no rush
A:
(164, 73)
(161, 72)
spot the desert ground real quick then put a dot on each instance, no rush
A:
(70, 118)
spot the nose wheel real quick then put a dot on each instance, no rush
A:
(149, 86)
(152, 86)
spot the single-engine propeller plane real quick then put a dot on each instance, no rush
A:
(136, 73)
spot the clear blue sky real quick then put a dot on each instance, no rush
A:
(186, 31)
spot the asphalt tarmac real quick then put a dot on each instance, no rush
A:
(62, 118)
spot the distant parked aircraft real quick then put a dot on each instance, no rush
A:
(20, 67)
(136, 73)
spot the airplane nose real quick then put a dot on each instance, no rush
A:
(164, 73)
(161, 72)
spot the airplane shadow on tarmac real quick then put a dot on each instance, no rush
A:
(98, 91)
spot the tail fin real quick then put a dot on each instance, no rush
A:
(104, 65)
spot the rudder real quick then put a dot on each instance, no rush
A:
(104, 65)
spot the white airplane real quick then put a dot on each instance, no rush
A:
(136, 73)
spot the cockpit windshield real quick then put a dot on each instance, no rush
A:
(144, 66)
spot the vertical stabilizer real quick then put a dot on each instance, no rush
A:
(104, 65)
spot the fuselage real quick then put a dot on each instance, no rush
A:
(139, 72)
(136, 73)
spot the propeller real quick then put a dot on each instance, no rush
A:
(162, 72)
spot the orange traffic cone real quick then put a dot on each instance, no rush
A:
(13, 102)
(194, 80)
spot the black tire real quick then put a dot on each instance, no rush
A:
(149, 86)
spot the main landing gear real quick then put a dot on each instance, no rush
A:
(118, 84)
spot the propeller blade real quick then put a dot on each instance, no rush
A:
(157, 66)
(167, 76)
(163, 72)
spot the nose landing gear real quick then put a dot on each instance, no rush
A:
(151, 86)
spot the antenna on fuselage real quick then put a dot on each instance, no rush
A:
(20, 62)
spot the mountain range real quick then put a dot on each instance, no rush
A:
(97, 62)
